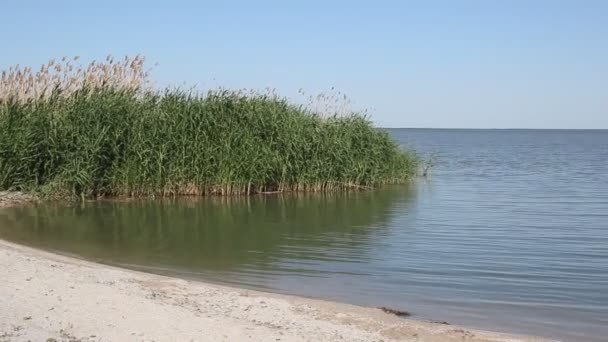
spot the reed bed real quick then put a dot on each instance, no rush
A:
(102, 131)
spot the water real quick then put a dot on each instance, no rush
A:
(510, 233)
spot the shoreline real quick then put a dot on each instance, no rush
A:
(14, 198)
(50, 296)
(53, 297)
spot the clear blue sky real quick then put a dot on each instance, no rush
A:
(479, 64)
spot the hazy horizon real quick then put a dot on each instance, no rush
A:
(436, 64)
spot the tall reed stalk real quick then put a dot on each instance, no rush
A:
(102, 131)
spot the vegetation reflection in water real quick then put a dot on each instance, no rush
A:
(211, 234)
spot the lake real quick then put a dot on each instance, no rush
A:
(509, 233)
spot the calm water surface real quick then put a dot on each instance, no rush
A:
(510, 233)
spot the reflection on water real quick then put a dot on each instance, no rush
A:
(511, 233)
(223, 238)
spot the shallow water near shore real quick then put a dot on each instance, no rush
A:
(510, 233)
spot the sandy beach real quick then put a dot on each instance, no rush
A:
(50, 297)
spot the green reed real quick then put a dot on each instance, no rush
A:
(118, 139)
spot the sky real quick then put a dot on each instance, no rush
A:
(440, 64)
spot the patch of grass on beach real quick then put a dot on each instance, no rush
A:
(102, 131)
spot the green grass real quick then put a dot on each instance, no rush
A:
(108, 141)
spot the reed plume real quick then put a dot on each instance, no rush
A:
(66, 77)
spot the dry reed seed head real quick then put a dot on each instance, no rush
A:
(67, 78)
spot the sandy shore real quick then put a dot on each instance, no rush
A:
(10, 198)
(48, 297)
